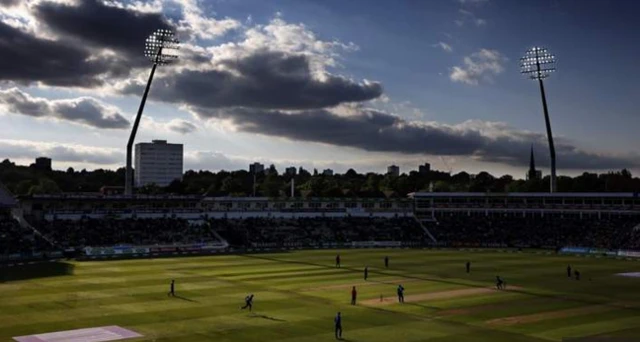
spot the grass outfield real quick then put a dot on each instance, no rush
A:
(297, 295)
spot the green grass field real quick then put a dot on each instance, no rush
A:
(297, 295)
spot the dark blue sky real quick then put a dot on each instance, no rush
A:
(593, 97)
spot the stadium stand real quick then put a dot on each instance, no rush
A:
(553, 221)
(138, 232)
(15, 240)
(306, 232)
(549, 231)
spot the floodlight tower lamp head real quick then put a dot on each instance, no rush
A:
(157, 44)
(537, 63)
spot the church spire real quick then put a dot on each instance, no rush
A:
(533, 173)
(532, 162)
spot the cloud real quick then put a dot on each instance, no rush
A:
(468, 16)
(373, 130)
(473, 2)
(157, 127)
(9, 3)
(444, 46)
(264, 79)
(84, 110)
(214, 160)
(181, 126)
(480, 66)
(197, 25)
(97, 25)
(23, 149)
(27, 59)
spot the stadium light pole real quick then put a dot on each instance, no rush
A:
(538, 64)
(154, 50)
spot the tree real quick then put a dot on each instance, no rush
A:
(272, 185)
(150, 189)
(45, 186)
(441, 186)
(272, 170)
(482, 182)
(351, 173)
(232, 186)
(23, 188)
(176, 187)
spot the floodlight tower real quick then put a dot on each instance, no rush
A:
(538, 64)
(154, 50)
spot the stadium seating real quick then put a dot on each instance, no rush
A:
(315, 231)
(450, 229)
(16, 240)
(550, 231)
(110, 232)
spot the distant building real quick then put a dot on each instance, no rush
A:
(43, 163)
(393, 170)
(533, 174)
(424, 169)
(290, 171)
(158, 162)
(327, 172)
(256, 168)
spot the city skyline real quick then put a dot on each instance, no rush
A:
(348, 83)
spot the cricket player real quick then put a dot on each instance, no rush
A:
(172, 289)
(499, 283)
(338, 324)
(400, 293)
(248, 302)
(354, 294)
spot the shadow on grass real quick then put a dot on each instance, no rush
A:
(34, 271)
(267, 317)
(186, 299)
(421, 305)
(560, 297)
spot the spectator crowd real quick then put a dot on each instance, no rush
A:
(316, 231)
(459, 229)
(111, 232)
(15, 239)
(549, 231)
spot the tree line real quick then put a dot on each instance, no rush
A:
(25, 180)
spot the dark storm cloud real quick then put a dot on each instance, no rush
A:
(8, 3)
(73, 60)
(373, 130)
(102, 26)
(26, 59)
(265, 79)
(82, 110)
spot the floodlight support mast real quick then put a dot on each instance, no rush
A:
(552, 149)
(154, 49)
(537, 64)
(128, 188)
